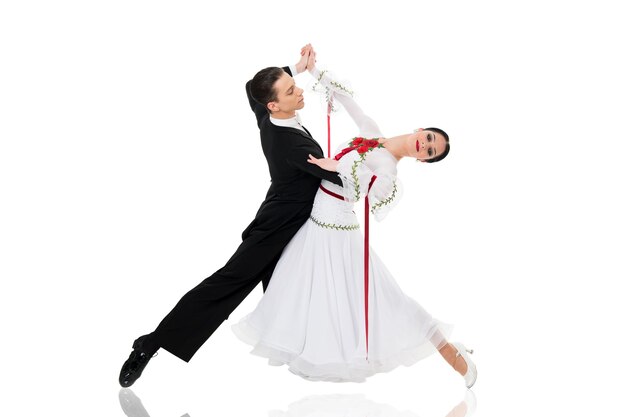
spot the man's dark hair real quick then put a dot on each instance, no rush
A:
(262, 85)
(445, 151)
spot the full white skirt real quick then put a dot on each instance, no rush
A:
(312, 315)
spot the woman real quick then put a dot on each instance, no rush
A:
(314, 316)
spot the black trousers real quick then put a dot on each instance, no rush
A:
(203, 309)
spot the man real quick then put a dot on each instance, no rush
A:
(274, 98)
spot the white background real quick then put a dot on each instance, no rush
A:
(130, 163)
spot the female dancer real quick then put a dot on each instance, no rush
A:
(314, 316)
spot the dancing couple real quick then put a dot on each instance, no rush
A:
(306, 247)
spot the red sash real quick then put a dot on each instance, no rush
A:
(366, 258)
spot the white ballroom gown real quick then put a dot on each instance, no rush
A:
(312, 315)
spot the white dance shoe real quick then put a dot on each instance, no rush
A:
(472, 373)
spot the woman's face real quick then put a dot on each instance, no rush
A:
(427, 144)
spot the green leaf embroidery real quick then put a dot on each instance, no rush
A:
(386, 200)
(334, 226)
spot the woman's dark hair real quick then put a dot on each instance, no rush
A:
(262, 85)
(445, 151)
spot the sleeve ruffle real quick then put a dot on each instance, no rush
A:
(384, 195)
(326, 84)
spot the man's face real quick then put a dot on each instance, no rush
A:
(288, 97)
(430, 143)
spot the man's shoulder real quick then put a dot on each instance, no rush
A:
(270, 128)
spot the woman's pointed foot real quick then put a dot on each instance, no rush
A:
(466, 366)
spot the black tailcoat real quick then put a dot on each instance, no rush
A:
(286, 207)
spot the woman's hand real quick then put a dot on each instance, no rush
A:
(301, 66)
(310, 64)
(327, 164)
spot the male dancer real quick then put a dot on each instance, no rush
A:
(274, 98)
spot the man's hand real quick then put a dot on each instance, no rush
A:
(304, 58)
(327, 164)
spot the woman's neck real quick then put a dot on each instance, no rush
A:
(398, 146)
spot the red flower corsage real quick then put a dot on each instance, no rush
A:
(363, 145)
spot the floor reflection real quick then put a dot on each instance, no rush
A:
(132, 406)
(336, 405)
(358, 406)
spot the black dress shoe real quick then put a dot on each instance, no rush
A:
(136, 362)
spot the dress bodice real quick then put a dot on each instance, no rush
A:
(356, 171)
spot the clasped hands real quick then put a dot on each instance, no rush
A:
(307, 59)
(307, 62)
